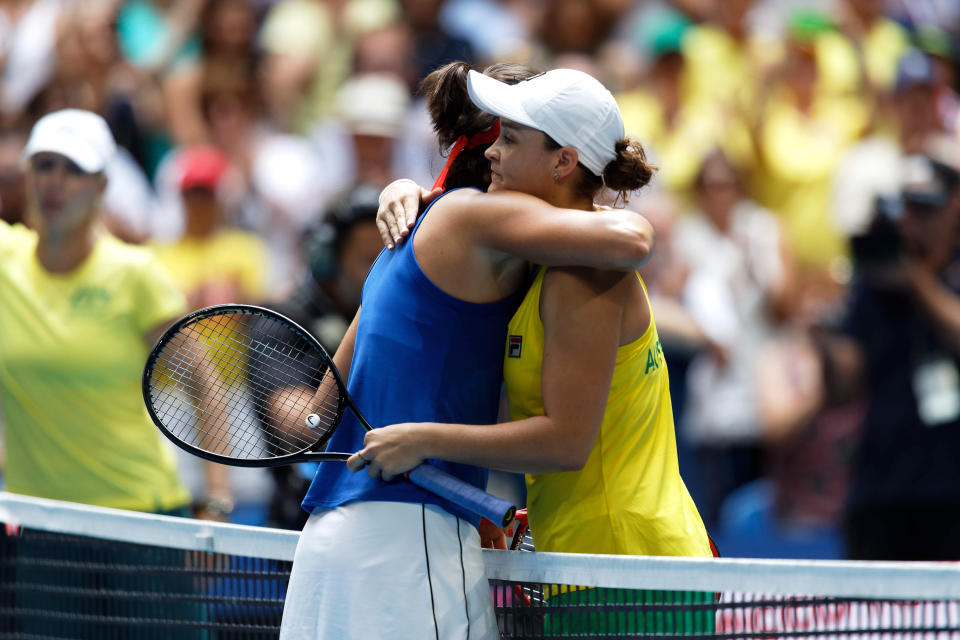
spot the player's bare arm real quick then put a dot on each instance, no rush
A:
(530, 229)
(579, 355)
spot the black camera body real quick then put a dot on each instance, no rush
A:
(926, 187)
(881, 245)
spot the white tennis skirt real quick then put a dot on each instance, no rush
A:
(388, 570)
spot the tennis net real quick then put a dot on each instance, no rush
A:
(74, 571)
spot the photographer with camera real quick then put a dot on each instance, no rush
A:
(903, 314)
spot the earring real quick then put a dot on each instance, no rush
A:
(556, 176)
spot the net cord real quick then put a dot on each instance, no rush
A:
(838, 578)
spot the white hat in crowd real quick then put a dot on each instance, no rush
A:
(374, 104)
(82, 136)
(570, 106)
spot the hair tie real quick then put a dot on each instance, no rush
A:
(463, 142)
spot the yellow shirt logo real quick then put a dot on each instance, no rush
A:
(654, 358)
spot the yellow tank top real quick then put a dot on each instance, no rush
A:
(629, 497)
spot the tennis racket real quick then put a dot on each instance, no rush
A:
(246, 386)
(522, 540)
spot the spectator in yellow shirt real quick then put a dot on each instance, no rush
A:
(802, 132)
(214, 262)
(676, 122)
(725, 57)
(78, 312)
(862, 53)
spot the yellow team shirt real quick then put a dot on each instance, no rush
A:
(230, 256)
(801, 153)
(840, 60)
(72, 350)
(629, 497)
(679, 147)
(719, 69)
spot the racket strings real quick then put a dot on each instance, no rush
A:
(329, 404)
(249, 441)
(242, 385)
(206, 429)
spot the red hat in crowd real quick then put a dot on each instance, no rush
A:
(202, 167)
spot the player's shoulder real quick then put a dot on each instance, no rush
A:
(15, 236)
(453, 211)
(11, 230)
(456, 198)
(122, 249)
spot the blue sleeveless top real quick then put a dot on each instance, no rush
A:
(420, 355)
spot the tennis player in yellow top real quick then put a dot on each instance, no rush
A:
(592, 424)
(628, 497)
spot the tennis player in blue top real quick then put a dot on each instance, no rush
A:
(383, 559)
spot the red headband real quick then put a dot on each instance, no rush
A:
(463, 142)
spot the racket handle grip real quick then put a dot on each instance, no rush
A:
(462, 493)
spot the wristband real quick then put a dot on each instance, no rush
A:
(397, 181)
(221, 507)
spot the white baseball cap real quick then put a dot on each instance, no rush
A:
(570, 106)
(374, 104)
(82, 136)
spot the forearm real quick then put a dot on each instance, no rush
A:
(621, 244)
(325, 400)
(217, 502)
(940, 303)
(531, 445)
(217, 478)
(531, 229)
(607, 240)
(344, 355)
(582, 314)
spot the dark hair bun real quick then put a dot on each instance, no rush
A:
(629, 171)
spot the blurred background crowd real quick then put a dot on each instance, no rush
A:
(791, 138)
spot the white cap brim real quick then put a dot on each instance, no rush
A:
(81, 155)
(499, 99)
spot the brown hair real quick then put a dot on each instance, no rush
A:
(629, 171)
(453, 114)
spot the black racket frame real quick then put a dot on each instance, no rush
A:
(304, 455)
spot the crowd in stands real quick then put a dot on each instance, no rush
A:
(252, 132)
